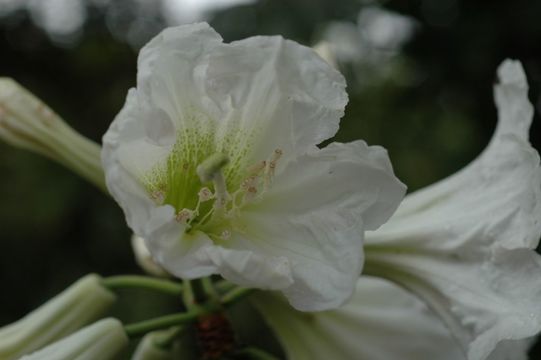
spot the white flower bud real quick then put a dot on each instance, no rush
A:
(153, 347)
(80, 304)
(26, 122)
(144, 258)
(102, 340)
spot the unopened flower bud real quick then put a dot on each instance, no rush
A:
(80, 304)
(102, 340)
(157, 345)
(26, 122)
(144, 258)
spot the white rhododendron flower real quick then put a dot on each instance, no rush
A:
(103, 340)
(214, 161)
(466, 244)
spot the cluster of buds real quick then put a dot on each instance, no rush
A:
(82, 303)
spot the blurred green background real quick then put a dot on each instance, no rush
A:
(420, 76)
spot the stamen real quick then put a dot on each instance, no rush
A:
(184, 216)
(205, 217)
(269, 170)
(254, 173)
(205, 194)
(158, 197)
(222, 196)
(225, 205)
(257, 168)
(225, 235)
(211, 170)
(248, 182)
(250, 194)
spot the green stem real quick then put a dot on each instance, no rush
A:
(224, 286)
(235, 295)
(208, 288)
(143, 327)
(143, 282)
(188, 296)
(256, 354)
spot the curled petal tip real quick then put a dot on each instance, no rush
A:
(511, 72)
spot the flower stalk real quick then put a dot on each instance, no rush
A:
(188, 295)
(212, 303)
(141, 328)
(235, 295)
(143, 282)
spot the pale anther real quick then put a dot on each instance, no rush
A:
(184, 216)
(269, 170)
(250, 194)
(226, 234)
(158, 196)
(257, 168)
(248, 182)
(205, 194)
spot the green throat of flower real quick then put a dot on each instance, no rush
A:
(208, 190)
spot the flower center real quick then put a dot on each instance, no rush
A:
(208, 191)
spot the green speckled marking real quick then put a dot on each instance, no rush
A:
(176, 178)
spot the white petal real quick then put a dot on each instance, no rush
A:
(311, 223)
(483, 298)
(512, 349)
(284, 91)
(504, 182)
(121, 173)
(354, 178)
(251, 268)
(179, 253)
(156, 224)
(171, 71)
(380, 322)
(464, 243)
(143, 133)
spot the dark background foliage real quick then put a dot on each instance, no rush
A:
(432, 108)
